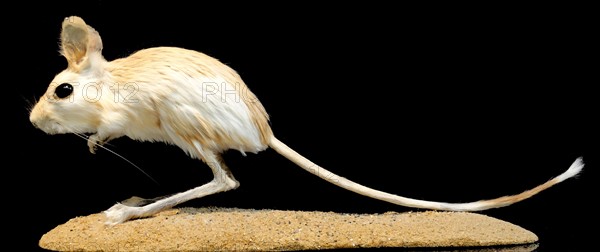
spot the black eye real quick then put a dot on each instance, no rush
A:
(63, 90)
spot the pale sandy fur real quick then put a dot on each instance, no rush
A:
(227, 116)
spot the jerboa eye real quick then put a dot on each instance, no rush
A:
(63, 90)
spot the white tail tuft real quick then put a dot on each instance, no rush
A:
(575, 169)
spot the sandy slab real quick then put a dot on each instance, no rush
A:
(231, 229)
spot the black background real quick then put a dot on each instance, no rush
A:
(444, 103)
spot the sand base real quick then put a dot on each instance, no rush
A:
(209, 229)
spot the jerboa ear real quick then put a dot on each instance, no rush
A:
(78, 42)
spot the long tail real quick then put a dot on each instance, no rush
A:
(311, 167)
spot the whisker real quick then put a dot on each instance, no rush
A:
(116, 154)
(30, 104)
